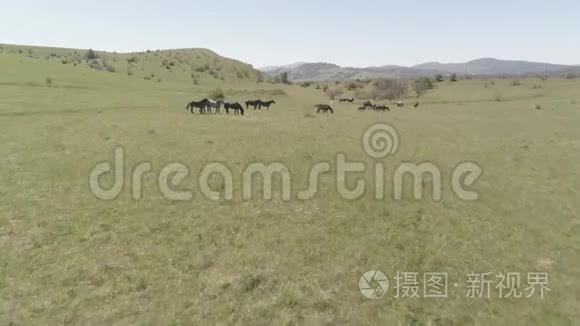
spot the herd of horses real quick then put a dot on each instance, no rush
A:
(207, 106)
(367, 106)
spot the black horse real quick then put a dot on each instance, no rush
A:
(266, 104)
(323, 108)
(201, 105)
(256, 104)
(235, 106)
(347, 100)
(368, 104)
(381, 108)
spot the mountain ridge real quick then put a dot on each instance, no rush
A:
(319, 71)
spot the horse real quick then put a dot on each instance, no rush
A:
(381, 108)
(362, 108)
(217, 105)
(400, 104)
(237, 107)
(368, 104)
(256, 104)
(349, 100)
(416, 105)
(201, 105)
(323, 108)
(266, 104)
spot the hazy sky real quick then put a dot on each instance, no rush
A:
(349, 33)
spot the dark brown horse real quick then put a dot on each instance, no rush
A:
(266, 104)
(256, 104)
(323, 108)
(235, 106)
(381, 108)
(201, 105)
(347, 100)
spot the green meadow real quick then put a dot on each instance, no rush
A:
(68, 257)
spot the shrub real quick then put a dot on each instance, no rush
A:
(571, 75)
(453, 78)
(109, 68)
(306, 84)
(351, 86)
(516, 82)
(422, 85)
(216, 94)
(282, 78)
(334, 92)
(439, 78)
(389, 89)
(48, 81)
(362, 94)
(91, 55)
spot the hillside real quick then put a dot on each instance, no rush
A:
(486, 66)
(182, 65)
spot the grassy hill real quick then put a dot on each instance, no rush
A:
(70, 258)
(197, 66)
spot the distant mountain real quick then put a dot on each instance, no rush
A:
(490, 66)
(487, 66)
(290, 66)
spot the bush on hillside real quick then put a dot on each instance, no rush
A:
(91, 55)
(389, 89)
(422, 85)
(334, 92)
(216, 94)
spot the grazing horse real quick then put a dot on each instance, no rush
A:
(368, 104)
(237, 107)
(345, 100)
(323, 108)
(416, 105)
(256, 104)
(201, 105)
(217, 105)
(381, 108)
(400, 104)
(362, 108)
(266, 104)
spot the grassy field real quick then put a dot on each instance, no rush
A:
(70, 258)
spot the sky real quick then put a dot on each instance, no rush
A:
(354, 33)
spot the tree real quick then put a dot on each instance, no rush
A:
(216, 94)
(91, 55)
(422, 85)
(389, 89)
(334, 92)
(282, 78)
(439, 78)
(453, 78)
(351, 86)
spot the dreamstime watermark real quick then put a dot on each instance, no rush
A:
(379, 141)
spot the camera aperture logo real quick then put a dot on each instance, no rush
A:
(374, 284)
